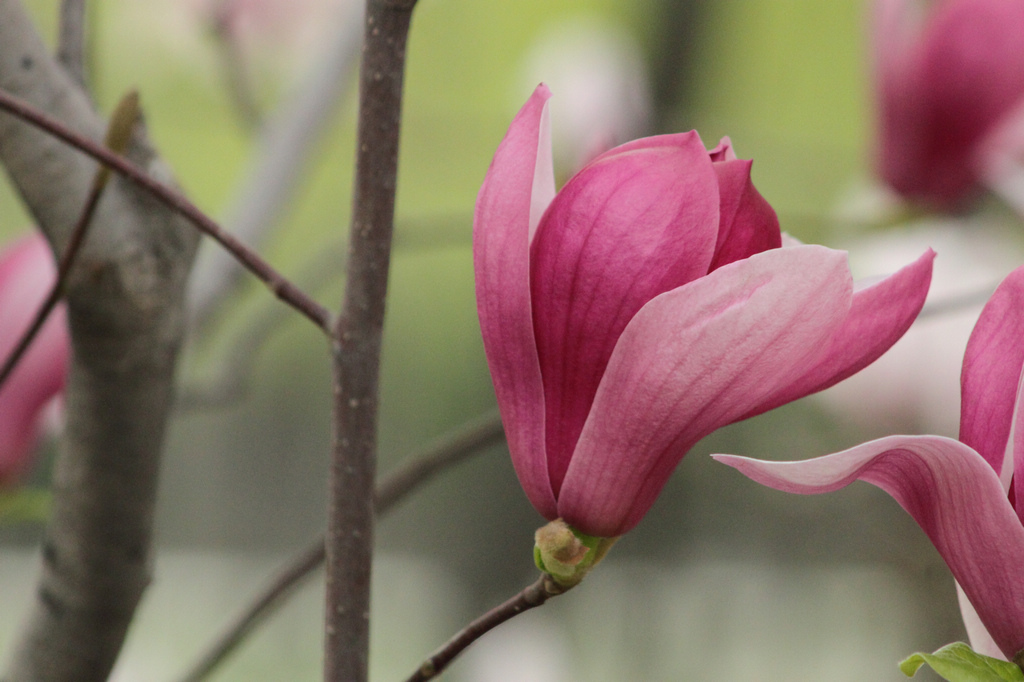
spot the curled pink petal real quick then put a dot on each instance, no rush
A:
(991, 371)
(509, 201)
(977, 635)
(27, 272)
(879, 316)
(952, 493)
(691, 361)
(748, 223)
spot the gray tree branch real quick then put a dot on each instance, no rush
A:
(125, 309)
(284, 149)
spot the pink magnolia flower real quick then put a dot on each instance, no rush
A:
(27, 272)
(966, 495)
(950, 76)
(647, 304)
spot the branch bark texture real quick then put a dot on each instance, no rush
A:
(357, 343)
(125, 309)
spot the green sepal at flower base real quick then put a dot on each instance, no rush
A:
(566, 554)
(957, 662)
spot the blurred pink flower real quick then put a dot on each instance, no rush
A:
(27, 272)
(950, 81)
(647, 304)
(967, 495)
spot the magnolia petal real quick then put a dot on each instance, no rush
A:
(723, 151)
(27, 272)
(747, 222)
(977, 635)
(879, 316)
(692, 360)
(952, 493)
(514, 187)
(991, 372)
(629, 226)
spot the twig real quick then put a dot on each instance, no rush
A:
(118, 135)
(71, 41)
(279, 285)
(357, 344)
(273, 595)
(449, 451)
(531, 597)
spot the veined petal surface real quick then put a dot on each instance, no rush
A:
(631, 225)
(952, 493)
(879, 316)
(991, 372)
(508, 202)
(692, 360)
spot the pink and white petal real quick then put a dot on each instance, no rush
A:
(505, 208)
(977, 635)
(692, 360)
(952, 493)
(27, 271)
(880, 315)
(747, 222)
(991, 372)
(681, 140)
(723, 151)
(628, 227)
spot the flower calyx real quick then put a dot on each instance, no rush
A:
(566, 554)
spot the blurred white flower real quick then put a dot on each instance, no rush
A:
(915, 386)
(603, 98)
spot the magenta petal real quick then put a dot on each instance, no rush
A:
(631, 225)
(991, 371)
(879, 316)
(515, 186)
(692, 360)
(27, 271)
(952, 493)
(977, 635)
(747, 223)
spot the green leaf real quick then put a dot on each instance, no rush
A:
(957, 662)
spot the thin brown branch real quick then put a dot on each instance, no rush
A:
(357, 344)
(531, 597)
(437, 457)
(261, 608)
(118, 136)
(278, 284)
(453, 448)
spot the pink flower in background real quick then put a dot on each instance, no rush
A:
(647, 304)
(967, 495)
(950, 82)
(27, 271)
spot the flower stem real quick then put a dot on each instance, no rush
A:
(531, 597)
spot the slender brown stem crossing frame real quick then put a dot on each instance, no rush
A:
(119, 133)
(530, 598)
(277, 283)
(458, 446)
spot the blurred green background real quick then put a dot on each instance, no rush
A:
(723, 579)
